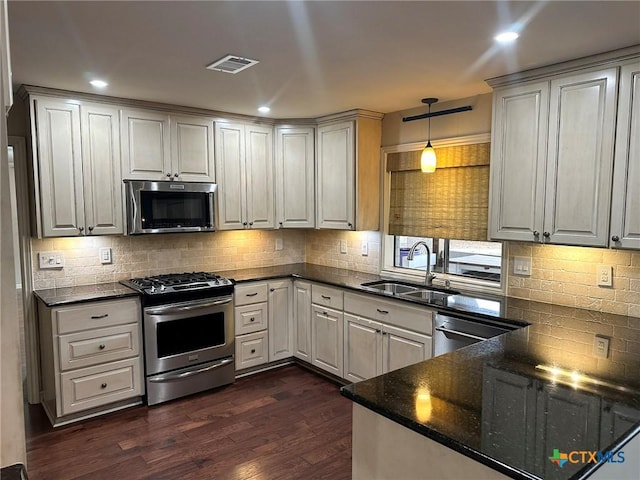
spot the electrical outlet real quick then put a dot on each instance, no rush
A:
(365, 249)
(343, 246)
(601, 347)
(278, 244)
(605, 276)
(50, 260)
(105, 255)
(522, 266)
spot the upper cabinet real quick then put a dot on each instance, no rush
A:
(244, 165)
(552, 156)
(294, 173)
(76, 149)
(157, 146)
(625, 206)
(348, 171)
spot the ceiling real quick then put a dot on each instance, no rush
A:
(316, 57)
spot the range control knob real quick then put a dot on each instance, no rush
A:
(162, 288)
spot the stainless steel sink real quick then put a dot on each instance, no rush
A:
(427, 295)
(394, 288)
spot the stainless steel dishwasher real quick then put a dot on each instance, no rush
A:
(453, 332)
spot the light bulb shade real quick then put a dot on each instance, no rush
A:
(428, 159)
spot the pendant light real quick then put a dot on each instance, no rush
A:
(428, 157)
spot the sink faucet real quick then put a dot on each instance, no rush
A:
(428, 278)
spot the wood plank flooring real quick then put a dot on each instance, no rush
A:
(287, 423)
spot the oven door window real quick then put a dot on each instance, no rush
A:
(186, 335)
(174, 209)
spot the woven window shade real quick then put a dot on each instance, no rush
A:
(452, 202)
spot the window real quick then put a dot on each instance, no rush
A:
(467, 258)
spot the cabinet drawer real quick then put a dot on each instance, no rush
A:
(100, 385)
(327, 296)
(92, 315)
(251, 350)
(251, 318)
(398, 313)
(91, 347)
(250, 293)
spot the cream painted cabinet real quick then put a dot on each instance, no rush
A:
(327, 330)
(302, 320)
(294, 173)
(251, 322)
(244, 166)
(552, 156)
(77, 157)
(625, 208)
(362, 348)
(401, 348)
(280, 320)
(162, 146)
(348, 171)
(91, 358)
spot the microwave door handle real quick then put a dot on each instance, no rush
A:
(185, 308)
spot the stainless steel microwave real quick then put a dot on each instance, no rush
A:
(169, 206)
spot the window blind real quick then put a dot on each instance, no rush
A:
(452, 202)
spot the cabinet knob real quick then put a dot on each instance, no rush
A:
(350, 224)
(90, 229)
(252, 319)
(81, 229)
(272, 289)
(546, 234)
(378, 330)
(253, 350)
(104, 385)
(244, 223)
(251, 224)
(168, 174)
(280, 223)
(176, 175)
(102, 347)
(536, 233)
(615, 238)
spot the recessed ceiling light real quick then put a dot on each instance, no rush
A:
(98, 83)
(506, 37)
(264, 109)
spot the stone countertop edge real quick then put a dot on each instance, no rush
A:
(54, 297)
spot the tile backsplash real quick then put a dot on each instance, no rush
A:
(323, 248)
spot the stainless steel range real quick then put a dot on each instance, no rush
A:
(188, 333)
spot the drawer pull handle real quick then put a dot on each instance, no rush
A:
(104, 385)
(326, 297)
(326, 314)
(98, 317)
(253, 350)
(252, 319)
(252, 294)
(382, 311)
(102, 346)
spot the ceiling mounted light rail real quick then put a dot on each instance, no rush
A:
(428, 156)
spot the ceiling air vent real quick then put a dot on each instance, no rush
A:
(232, 64)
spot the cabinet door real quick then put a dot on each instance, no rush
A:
(259, 177)
(60, 164)
(616, 420)
(146, 153)
(295, 199)
(280, 320)
(230, 174)
(580, 158)
(362, 348)
(327, 339)
(302, 320)
(566, 419)
(508, 406)
(101, 170)
(518, 156)
(192, 148)
(335, 182)
(403, 347)
(625, 208)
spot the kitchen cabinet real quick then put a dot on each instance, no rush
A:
(302, 320)
(348, 171)
(91, 358)
(327, 329)
(376, 340)
(280, 319)
(552, 152)
(294, 173)
(251, 313)
(244, 169)
(625, 207)
(158, 145)
(76, 153)
(616, 420)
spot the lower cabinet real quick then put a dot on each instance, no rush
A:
(327, 339)
(91, 358)
(280, 320)
(302, 320)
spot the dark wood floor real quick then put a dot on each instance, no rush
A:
(287, 423)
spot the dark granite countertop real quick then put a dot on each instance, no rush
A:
(53, 297)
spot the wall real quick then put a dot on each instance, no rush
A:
(145, 255)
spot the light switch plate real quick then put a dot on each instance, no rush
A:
(343, 246)
(278, 244)
(365, 249)
(105, 255)
(50, 260)
(601, 347)
(522, 266)
(605, 276)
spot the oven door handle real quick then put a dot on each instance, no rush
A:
(186, 307)
(172, 377)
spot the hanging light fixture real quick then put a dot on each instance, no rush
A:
(428, 157)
